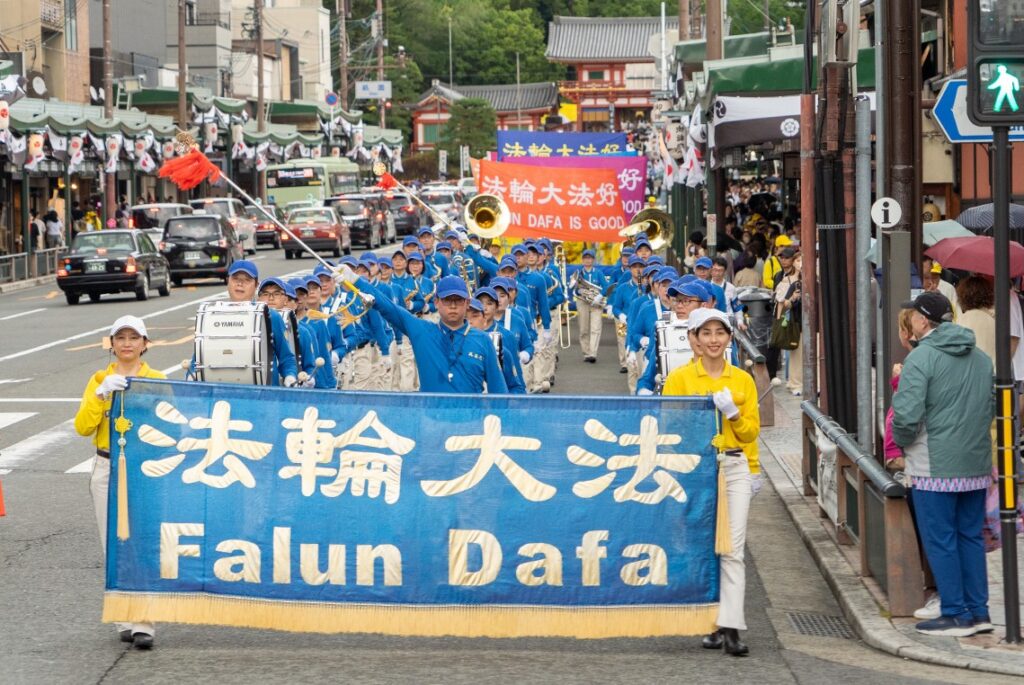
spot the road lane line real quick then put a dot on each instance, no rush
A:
(15, 316)
(12, 400)
(5, 381)
(11, 418)
(84, 467)
(52, 441)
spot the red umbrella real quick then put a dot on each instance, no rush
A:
(975, 253)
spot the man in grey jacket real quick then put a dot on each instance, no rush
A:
(942, 413)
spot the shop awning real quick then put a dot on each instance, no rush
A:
(374, 135)
(745, 45)
(32, 114)
(201, 98)
(281, 134)
(781, 76)
(310, 108)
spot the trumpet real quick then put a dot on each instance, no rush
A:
(655, 224)
(487, 216)
(564, 327)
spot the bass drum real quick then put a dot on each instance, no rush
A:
(232, 343)
(673, 346)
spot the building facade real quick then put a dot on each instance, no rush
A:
(52, 38)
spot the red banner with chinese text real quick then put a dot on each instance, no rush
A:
(561, 204)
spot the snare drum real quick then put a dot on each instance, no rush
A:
(673, 346)
(232, 343)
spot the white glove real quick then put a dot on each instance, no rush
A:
(622, 318)
(756, 483)
(289, 381)
(524, 357)
(464, 239)
(110, 384)
(548, 337)
(644, 342)
(657, 379)
(631, 357)
(426, 309)
(368, 299)
(310, 382)
(608, 309)
(726, 405)
(599, 300)
(386, 362)
(345, 274)
(334, 358)
(644, 392)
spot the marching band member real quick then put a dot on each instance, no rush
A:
(434, 265)
(324, 330)
(627, 290)
(128, 342)
(451, 356)
(274, 293)
(317, 307)
(383, 364)
(642, 248)
(405, 289)
(735, 396)
(646, 314)
(534, 289)
(481, 317)
(687, 297)
(328, 290)
(385, 274)
(410, 245)
(511, 319)
(589, 314)
(548, 355)
(702, 270)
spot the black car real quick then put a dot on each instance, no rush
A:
(406, 212)
(365, 223)
(200, 246)
(113, 261)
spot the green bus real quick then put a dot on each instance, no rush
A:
(310, 180)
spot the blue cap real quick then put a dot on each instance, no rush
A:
(321, 269)
(246, 267)
(641, 240)
(444, 246)
(424, 230)
(298, 283)
(666, 274)
(635, 260)
(703, 263)
(273, 280)
(488, 291)
(368, 257)
(688, 277)
(546, 242)
(398, 253)
(709, 290)
(505, 284)
(507, 263)
(655, 259)
(476, 305)
(450, 235)
(626, 251)
(384, 261)
(691, 289)
(649, 270)
(535, 247)
(411, 240)
(350, 261)
(452, 285)
(589, 253)
(311, 280)
(519, 249)
(418, 256)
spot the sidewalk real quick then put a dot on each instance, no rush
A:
(15, 286)
(781, 461)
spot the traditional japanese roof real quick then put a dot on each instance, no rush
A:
(372, 135)
(31, 114)
(503, 98)
(605, 39)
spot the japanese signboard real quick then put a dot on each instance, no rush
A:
(413, 514)
(513, 145)
(631, 172)
(577, 204)
(373, 90)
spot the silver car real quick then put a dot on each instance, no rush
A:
(234, 211)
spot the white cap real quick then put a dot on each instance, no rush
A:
(132, 322)
(701, 316)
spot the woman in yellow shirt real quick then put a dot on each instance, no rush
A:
(128, 341)
(735, 396)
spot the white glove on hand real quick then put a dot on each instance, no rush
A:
(547, 336)
(464, 239)
(386, 362)
(310, 382)
(622, 318)
(644, 342)
(726, 405)
(644, 392)
(631, 358)
(335, 358)
(345, 274)
(110, 384)
(599, 300)
(608, 309)
(524, 357)
(368, 299)
(756, 483)
(289, 381)
(657, 379)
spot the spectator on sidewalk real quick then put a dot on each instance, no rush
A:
(941, 417)
(54, 229)
(746, 275)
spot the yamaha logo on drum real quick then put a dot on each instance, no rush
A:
(218, 324)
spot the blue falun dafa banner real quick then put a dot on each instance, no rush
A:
(412, 514)
(513, 145)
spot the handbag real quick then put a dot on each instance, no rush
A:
(785, 333)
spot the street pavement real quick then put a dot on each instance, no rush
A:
(51, 570)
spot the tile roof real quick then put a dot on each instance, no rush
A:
(503, 98)
(581, 39)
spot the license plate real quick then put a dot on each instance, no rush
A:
(308, 233)
(95, 267)
(193, 256)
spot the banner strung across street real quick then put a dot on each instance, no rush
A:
(631, 172)
(412, 514)
(515, 144)
(582, 205)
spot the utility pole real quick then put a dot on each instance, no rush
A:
(110, 199)
(714, 30)
(183, 122)
(684, 19)
(380, 54)
(451, 69)
(261, 112)
(767, 17)
(343, 52)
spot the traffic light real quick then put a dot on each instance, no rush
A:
(995, 62)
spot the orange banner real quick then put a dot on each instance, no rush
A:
(561, 204)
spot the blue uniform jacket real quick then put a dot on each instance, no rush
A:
(517, 326)
(510, 365)
(623, 297)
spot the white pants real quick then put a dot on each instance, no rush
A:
(545, 363)
(99, 485)
(590, 328)
(634, 371)
(381, 373)
(620, 341)
(406, 375)
(362, 369)
(732, 571)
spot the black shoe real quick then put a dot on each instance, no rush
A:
(732, 643)
(125, 635)
(622, 369)
(712, 640)
(590, 360)
(142, 641)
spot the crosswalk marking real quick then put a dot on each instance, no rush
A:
(84, 467)
(11, 418)
(49, 441)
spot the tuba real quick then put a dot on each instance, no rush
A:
(487, 216)
(585, 291)
(655, 224)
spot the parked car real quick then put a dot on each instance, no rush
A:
(234, 211)
(113, 261)
(379, 203)
(200, 246)
(320, 228)
(155, 215)
(446, 201)
(467, 187)
(407, 213)
(299, 204)
(360, 214)
(266, 230)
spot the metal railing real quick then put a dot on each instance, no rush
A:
(23, 265)
(754, 361)
(51, 15)
(211, 19)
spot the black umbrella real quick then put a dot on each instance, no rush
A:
(980, 218)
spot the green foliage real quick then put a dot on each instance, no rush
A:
(473, 123)
(748, 15)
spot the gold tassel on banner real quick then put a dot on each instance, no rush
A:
(723, 534)
(122, 425)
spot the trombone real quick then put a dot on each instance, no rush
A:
(564, 335)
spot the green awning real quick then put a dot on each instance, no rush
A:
(30, 114)
(6, 67)
(781, 76)
(744, 45)
(201, 98)
(282, 134)
(310, 108)
(374, 135)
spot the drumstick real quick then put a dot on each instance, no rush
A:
(193, 167)
(303, 377)
(319, 362)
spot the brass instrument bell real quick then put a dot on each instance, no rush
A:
(656, 224)
(487, 216)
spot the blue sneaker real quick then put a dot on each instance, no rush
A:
(947, 626)
(983, 624)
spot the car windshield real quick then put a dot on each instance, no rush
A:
(315, 215)
(257, 214)
(154, 216)
(192, 229)
(222, 207)
(399, 201)
(439, 198)
(102, 242)
(348, 207)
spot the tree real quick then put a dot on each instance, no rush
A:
(486, 54)
(748, 17)
(472, 122)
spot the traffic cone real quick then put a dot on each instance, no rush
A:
(3, 512)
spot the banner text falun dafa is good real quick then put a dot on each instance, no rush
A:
(412, 514)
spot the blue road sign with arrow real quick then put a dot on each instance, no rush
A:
(950, 114)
